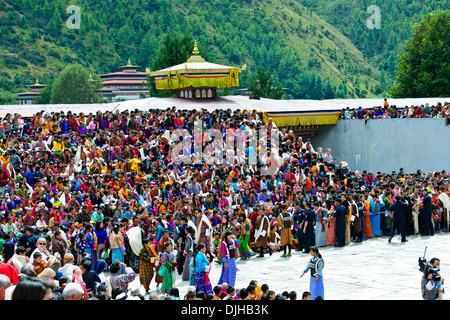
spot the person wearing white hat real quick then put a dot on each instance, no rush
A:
(73, 291)
(5, 282)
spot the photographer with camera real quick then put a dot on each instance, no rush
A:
(432, 282)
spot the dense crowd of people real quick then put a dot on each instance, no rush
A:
(388, 110)
(126, 192)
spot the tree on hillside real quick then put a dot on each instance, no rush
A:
(424, 68)
(328, 91)
(55, 24)
(175, 48)
(263, 85)
(7, 98)
(75, 85)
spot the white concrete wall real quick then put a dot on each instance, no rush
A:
(387, 145)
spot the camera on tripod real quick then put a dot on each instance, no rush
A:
(427, 268)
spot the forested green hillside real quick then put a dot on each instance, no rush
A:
(382, 46)
(315, 55)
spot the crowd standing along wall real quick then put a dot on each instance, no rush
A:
(386, 145)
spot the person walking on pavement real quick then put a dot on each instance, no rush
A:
(315, 265)
(397, 211)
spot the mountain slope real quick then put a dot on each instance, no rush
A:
(380, 46)
(297, 46)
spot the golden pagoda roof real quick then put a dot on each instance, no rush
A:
(196, 63)
(196, 57)
(37, 84)
(129, 65)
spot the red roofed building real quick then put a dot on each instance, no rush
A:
(29, 97)
(128, 84)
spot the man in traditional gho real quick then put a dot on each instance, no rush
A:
(262, 233)
(285, 222)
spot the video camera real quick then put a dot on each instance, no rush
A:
(426, 267)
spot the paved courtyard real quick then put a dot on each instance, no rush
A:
(372, 270)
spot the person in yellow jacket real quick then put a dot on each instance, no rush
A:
(348, 220)
(58, 146)
(124, 192)
(135, 163)
(48, 124)
(5, 158)
(120, 165)
(4, 144)
(89, 143)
